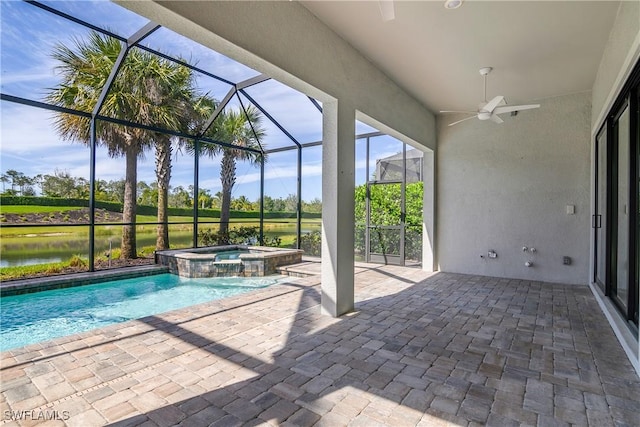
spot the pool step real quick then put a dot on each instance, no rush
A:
(301, 269)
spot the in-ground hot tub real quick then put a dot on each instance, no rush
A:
(224, 261)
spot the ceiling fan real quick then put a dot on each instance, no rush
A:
(490, 110)
(387, 10)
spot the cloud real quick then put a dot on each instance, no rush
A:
(178, 46)
(292, 109)
(27, 130)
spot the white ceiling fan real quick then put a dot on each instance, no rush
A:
(490, 110)
(387, 10)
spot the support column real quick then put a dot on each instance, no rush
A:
(428, 212)
(338, 205)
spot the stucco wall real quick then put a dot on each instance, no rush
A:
(621, 52)
(287, 42)
(506, 186)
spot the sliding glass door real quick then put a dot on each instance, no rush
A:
(621, 208)
(616, 220)
(600, 216)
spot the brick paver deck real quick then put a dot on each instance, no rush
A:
(421, 349)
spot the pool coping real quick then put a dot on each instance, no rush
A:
(38, 284)
(255, 252)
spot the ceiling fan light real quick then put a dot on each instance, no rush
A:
(452, 4)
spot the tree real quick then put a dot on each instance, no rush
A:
(291, 203)
(205, 200)
(244, 131)
(384, 201)
(115, 191)
(5, 180)
(12, 176)
(101, 190)
(238, 129)
(25, 184)
(141, 92)
(241, 204)
(314, 206)
(60, 184)
(148, 194)
(175, 93)
(179, 198)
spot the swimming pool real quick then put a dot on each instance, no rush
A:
(41, 316)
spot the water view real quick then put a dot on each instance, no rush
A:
(46, 247)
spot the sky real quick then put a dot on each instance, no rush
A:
(29, 143)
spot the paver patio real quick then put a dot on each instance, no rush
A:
(420, 349)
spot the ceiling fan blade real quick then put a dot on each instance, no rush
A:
(458, 111)
(510, 108)
(460, 121)
(492, 104)
(387, 10)
(496, 119)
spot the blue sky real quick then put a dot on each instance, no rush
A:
(29, 144)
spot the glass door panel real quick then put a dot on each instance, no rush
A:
(620, 286)
(635, 296)
(600, 217)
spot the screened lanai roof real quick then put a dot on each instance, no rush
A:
(32, 30)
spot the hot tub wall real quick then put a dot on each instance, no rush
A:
(262, 261)
(265, 263)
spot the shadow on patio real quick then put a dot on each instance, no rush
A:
(450, 349)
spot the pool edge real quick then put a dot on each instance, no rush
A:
(26, 286)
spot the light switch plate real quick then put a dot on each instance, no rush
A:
(571, 209)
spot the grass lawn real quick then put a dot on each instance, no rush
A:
(27, 209)
(7, 273)
(281, 226)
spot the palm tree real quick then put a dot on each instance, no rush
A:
(175, 96)
(244, 131)
(148, 90)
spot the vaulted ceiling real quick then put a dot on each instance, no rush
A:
(538, 49)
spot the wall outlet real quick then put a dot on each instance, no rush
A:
(566, 260)
(492, 254)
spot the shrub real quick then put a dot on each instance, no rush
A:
(77, 261)
(236, 236)
(53, 269)
(385, 211)
(310, 243)
(273, 241)
(142, 209)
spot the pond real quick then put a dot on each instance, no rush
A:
(45, 245)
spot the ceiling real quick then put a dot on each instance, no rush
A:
(538, 49)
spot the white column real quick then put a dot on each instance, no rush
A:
(338, 224)
(428, 212)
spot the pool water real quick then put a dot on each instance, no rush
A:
(41, 316)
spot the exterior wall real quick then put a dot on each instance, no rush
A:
(502, 187)
(621, 53)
